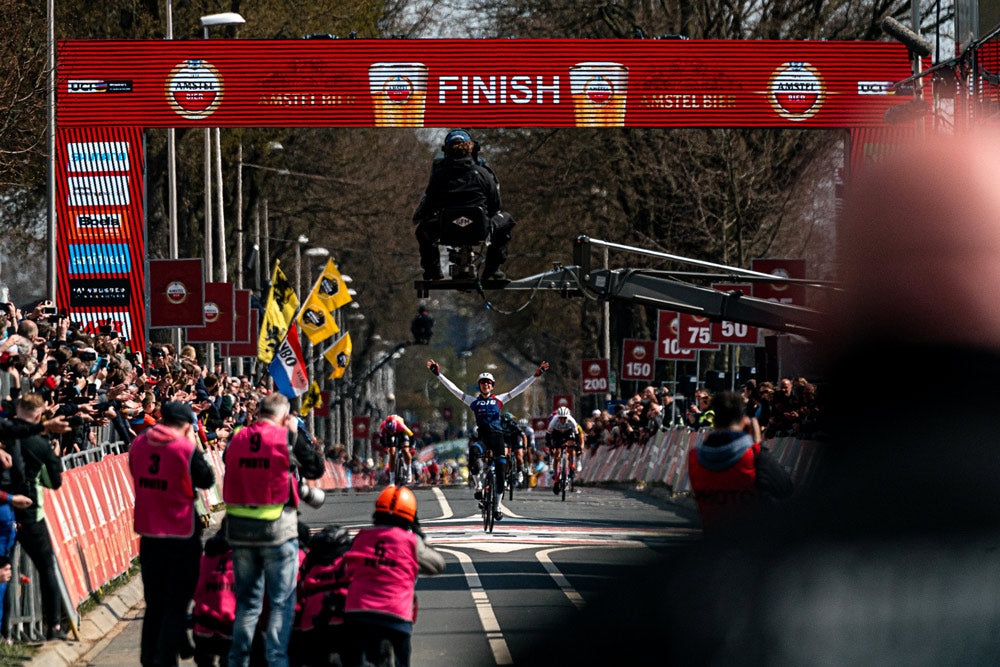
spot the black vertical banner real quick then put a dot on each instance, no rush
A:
(101, 229)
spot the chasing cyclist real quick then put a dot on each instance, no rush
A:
(515, 442)
(392, 433)
(486, 406)
(563, 431)
(529, 439)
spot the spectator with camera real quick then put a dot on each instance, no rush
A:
(261, 524)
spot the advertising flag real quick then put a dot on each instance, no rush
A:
(316, 319)
(339, 355)
(279, 310)
(220, 300)
(331, 289)
(176, 293)
(288, 368)
(312, 399)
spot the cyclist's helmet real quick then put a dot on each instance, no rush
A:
(392, 424)
(523, 423)
(507, 419)
(397, 501)
(486, 376)
(562, 412)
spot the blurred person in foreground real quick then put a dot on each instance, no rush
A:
(890, 555)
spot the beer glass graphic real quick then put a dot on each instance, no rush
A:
(398, 91)
(598, 90)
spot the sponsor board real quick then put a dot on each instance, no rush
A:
(97, 156)
(484, 83)
(97, 191)
(86, 258)
(100, 292)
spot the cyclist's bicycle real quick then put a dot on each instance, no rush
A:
(561, 467)
(490, 502)
(399, 464)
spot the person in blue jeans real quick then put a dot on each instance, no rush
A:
(261, 524)
(8, 532)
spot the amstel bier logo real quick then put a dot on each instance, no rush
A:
(594, 370)
(176, 292)
(194, 89)
(212, 312)
(796, 91)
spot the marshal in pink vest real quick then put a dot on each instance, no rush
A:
(215, 597)
(257, 467)
(382, 566)
(315, 585)
(160, 463)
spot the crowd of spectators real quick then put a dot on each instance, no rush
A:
(793, 409)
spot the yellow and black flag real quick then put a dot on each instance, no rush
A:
(331, 290)
(316, 318)
(279, 311)
(313, 399)
(339, 355)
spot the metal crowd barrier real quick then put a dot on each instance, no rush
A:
(94, 454)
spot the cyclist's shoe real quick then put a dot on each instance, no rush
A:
(555, 488)
(520, 477)
(497, 515)
(481, 505)
(409, 476)
(478, 495)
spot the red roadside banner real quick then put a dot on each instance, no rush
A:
(176, 293)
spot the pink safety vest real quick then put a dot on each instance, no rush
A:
(257, 467)
(215, 597)
(314, 586)
(382, 567)
(160, 463)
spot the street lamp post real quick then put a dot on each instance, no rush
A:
(310, 354)
(210, 20)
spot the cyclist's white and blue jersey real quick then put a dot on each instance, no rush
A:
(487, 410)
(562, 432)
(530, 434)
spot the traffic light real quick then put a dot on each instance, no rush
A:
(422, 327)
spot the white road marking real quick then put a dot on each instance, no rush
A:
(488, 619)
(446, 512)
(561, 581)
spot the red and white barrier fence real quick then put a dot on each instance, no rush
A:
(90, 518)
(663, 459)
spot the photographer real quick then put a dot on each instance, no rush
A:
(261, 496)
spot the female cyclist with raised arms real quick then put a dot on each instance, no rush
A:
(487, 407)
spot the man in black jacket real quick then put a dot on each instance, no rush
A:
(35, 465)
(461, 179)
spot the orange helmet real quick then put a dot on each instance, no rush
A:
(398, 501)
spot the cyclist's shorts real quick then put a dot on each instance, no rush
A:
(563, 439)
(475, 449)
(517, 444)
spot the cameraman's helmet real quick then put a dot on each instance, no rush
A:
(485, 376)
(562, 412)
(330, 543)
(397, 501)
(456, 137)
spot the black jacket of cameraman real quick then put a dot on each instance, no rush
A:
(459, 182)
